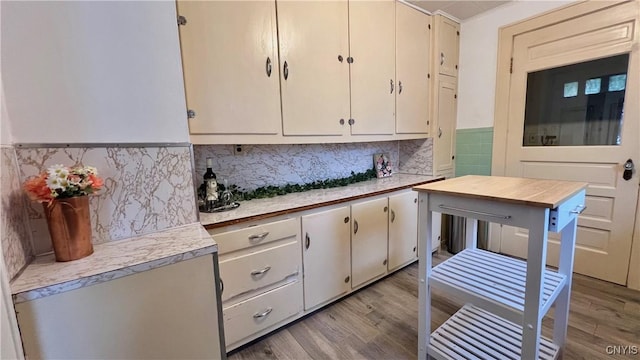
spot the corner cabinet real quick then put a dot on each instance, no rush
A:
(444, 139)
(230, 65)
(166, 312)
(413, 50)
(445, 97)
(506, 298)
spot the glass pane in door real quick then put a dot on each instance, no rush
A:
(576, 105)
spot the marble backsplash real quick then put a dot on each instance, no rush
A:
(416, 156)
(262, 165)
(16, 238)
(146, 189)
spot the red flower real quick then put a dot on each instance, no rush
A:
(96, 182)
(37, 188)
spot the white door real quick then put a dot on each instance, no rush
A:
(403, 229)
(573, 115)
(368, 240)
(413, 51)
(372, 48)
(314, 47)
(326, 255)
(230, 62)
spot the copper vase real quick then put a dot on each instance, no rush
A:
(70, 227)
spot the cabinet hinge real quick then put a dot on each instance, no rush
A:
(511, 67)
(182, 20)
(191, 114)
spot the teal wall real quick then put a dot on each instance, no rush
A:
(473, 151)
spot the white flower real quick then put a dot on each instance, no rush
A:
(91, 170)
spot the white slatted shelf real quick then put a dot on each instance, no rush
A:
(473, 333)
(494, 282)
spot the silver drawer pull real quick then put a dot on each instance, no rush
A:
(259, 237)
(445, 207)
(262, 314)
(260, 272)
(578, 210)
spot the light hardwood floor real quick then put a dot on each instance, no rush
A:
(381, 322)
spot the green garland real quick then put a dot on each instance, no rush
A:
(270, 191)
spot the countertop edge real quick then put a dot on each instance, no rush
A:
(39, 281)
(315, 205)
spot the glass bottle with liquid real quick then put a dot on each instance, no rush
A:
(211, 185)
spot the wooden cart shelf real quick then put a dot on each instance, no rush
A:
(496, 282)
(473, 333)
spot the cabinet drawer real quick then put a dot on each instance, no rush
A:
(256, 235)
(260, 312)
(567, 211)
(258, 269)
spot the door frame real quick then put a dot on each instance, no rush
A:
(506, 37)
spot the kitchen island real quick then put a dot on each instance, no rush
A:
(506, 298)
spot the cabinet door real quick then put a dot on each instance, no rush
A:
(315, 84)
(368, 240)
(412, 70)
(448, 38)
(228, 48)
(168, 312)
(326, 256)
(444, 141)
(403, 229)
(372, 47)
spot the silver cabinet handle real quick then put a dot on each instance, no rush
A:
(441, 58)
(578, 210)
(307, 241)
(221, 286)
(393, 215)
(439, 132)
(399, 87)
(391, 86)
(355, 226)
(258, 237)
(268, 67)
(261, 271)
(285, 70)
(262, 314)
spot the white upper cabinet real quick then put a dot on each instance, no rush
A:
(372, 47)
(314, 36)
(448, 39)
(230, 62)
(444, 140)
(413, 50)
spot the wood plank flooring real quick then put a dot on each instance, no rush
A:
(381, 322)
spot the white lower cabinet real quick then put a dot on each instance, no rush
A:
(261, 311)
(403, 229)
(276, 271)
(167, 312)
(369, 240)
(261, 276)
(326, 255)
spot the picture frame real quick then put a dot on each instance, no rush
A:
(382, 165)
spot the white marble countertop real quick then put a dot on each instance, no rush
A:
(112, 260)
(251, 209)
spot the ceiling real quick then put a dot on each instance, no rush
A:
(461, 9)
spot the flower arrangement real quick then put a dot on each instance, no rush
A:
(61, 182)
